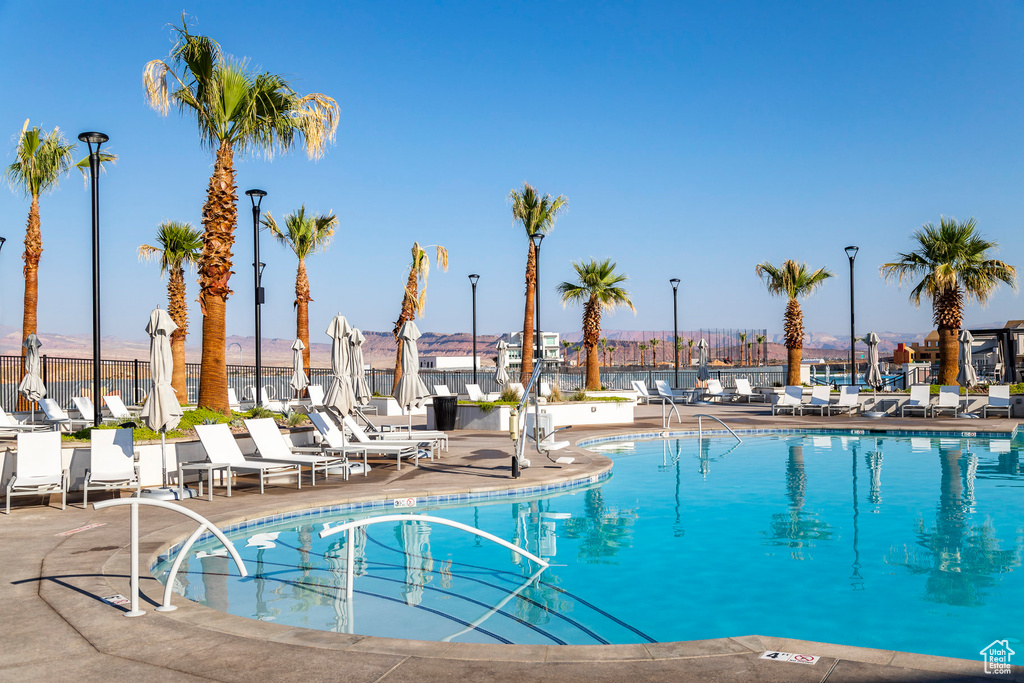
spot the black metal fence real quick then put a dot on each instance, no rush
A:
(68, 377)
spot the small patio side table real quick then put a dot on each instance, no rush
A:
(209, 468)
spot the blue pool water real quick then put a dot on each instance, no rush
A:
(888, 542)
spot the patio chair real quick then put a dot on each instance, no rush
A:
(442, 390)
(394, 443)
(745, 391)
(334, 442)
(56, 416)
(271, 445)
(220, 446)
(949, 399)
(118, 410)
(715, 390)
(545, 389)
(820, 400)
(316, 395)
(920, 399)
(643, 393)
(668, 394)
(113, 463)
(998, 399)
(791, 400)
(518, 388)
(38, 469)
(8, 424)
(400, 431)
(475, 394)
(233, 403)
(85, 408)
(849, 400)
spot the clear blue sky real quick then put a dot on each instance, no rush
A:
(693, 140)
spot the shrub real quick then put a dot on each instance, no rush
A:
(578, 395)
(296, 418)
(556, 395)
(258, 412)
(509, 395)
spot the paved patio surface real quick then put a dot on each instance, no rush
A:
(55, 624)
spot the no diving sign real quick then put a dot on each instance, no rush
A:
(790, 657)
(405, 502)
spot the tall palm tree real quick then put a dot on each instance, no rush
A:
(955, 264)
(566, 345)
(611, 354)
(579, 348)
(603, 346)
(598, 288)
(760, 345)
(40, 159)
(414, 298)
(743, 339)
(178, 245)
(792, 280)
(654, 351)
(236, 109)
(643, 354)
(689, 351)
(537, 215)
(750, 353)
(304, 235)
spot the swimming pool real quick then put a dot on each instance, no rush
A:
(891, 542)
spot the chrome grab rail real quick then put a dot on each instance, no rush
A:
(700, 430)
(523, 403)
(204, 524)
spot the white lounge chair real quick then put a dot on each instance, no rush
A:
(668, 394)
(38, 469)
(715, 390)
(399, 431)
(475, 394)
(334, 442)
(949, 399)
(745, 391)
(271, 445)
(545, 390)
(220, 446)
(920, 399)
(820, 400)
(849, 400)
(791, 400)
(998, 399)
(402, 446)
(56, 416)
(233, 403)
(85, 408)
(118, 410)
(113, 463)
(518, 388)
(442, 390)
(8, 424)
(316, 395)
(643, 393)
(267, 398)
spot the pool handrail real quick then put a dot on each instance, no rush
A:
(700, 430)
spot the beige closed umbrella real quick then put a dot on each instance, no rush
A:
(339, 394)
(162, 411)
(501, 369)
(298, 381)
(357, 373)
(410, 392)
(32, 387)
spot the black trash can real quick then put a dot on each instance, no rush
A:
(444, 412)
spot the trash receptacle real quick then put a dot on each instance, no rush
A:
(444, 412)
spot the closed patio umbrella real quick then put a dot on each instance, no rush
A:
(339, 395)
(501, 368)
(356, 371)
(873, 375)
(162, 410)
(410, 392)
(703, 374)
(32, 387)
(967, 377)
(299, 381)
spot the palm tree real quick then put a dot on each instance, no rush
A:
(236, 109)
(760, 345)
(178, 245)
(792, 280)
(598, 289)
(537, 215)
(743, 339)
(643, 354)
(566, 344)
(579, 348)
(603, 346)
(654, 352)
(305, 235)
(611, 354)
(414, 299)
(955, 265)
(750, 353)
(689, 351)
(40, 159)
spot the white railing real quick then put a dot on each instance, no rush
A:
(204, 525)
(700, 429)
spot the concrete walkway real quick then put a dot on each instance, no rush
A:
(55, 624)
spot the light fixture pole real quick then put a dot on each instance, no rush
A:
(675, 325)
(96, 139)
(256, 197)
(473, 279)
(2, 241)
(851, 253)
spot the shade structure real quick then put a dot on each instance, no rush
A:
(873, 375)
(356, 370)
(162, 411)
(967, 376)
(32, 387)
(501, 370)
(410, 392)
(299, 381)
(340, 396)
(703, 374)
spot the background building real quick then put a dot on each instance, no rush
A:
(552, 350)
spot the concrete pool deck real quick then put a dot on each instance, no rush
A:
(56, 624)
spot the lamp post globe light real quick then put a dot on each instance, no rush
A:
(256, 197)
(473, 279)
(95, 141)
(675, 325)
(851, 253)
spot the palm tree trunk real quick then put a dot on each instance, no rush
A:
(591, 334)
(220, 216)
(177, 308)
(526, 369)
(33, 250)
(302, 299)
(793, 329)
(949, 356)
(407, 314)
(793, 366)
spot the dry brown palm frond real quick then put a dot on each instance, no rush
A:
(319, 116)
(154, 81)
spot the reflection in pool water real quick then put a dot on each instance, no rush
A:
(896, 543)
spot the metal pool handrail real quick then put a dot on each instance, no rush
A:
(204, 524)
(700, 431)
(350, 528)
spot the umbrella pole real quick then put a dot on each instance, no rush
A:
(163, 455)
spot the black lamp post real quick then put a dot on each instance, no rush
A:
(96, 139)
(473, 279)
(256, 197)
(851, 253)
(675, 325)
(2, 240)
